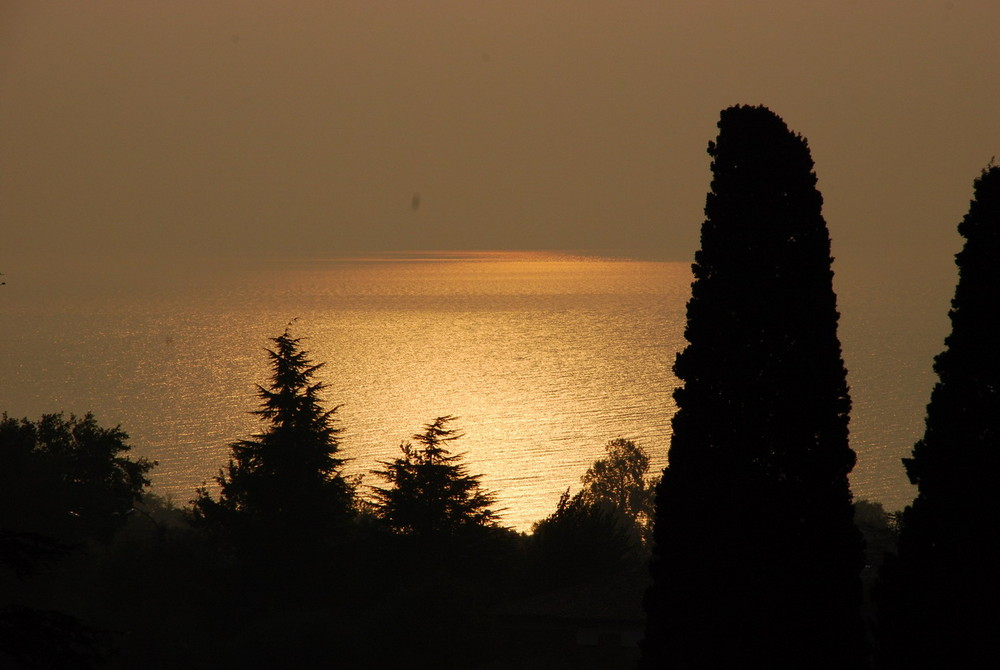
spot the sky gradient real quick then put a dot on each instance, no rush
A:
(327, 128)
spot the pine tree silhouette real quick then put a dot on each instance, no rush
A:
(288, 475)
(430, 491)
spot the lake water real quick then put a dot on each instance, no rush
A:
(544, 357)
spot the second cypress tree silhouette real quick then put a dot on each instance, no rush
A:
(938, 599)
(756, 559)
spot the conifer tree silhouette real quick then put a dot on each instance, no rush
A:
(939, 597)
(756, 559)
(288, 475)
(430, 491)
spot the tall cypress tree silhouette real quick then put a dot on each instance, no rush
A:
(757, 560)
(938, 599)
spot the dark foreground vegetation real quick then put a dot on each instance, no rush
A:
(751, 553)
(294, 564)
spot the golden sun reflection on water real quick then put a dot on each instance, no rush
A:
(543, 356)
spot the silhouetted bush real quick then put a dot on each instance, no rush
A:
(69, 479)
(601, 531)
(66, 486)
(583, 541)
(620, 479)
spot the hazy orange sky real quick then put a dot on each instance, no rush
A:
(298, 127)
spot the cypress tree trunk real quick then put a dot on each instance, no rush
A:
(938, 599)
(757, 559)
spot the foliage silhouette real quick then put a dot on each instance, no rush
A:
(430, 493)
(620, 479)
(289, 475)
(938, 598)
(160, 593)
(583, 541)
(604, 529)
(756, 559)
(68, 479)
(64, 484)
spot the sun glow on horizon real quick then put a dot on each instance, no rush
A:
(475, 256)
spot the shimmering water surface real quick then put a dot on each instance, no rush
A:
(544, 357)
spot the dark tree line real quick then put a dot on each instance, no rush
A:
(287, 562)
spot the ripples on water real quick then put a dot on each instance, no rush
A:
(544, 357)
